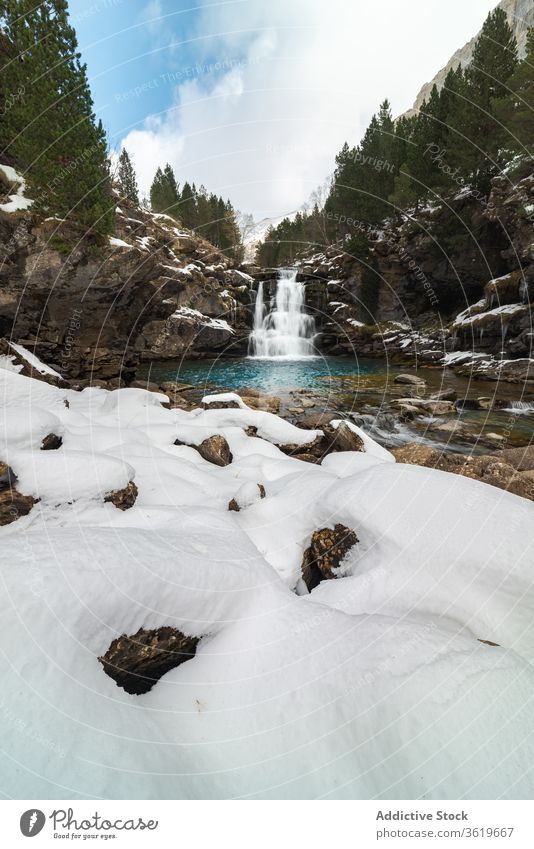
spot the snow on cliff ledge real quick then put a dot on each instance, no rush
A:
(375, 685)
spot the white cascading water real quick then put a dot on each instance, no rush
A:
(287, 331)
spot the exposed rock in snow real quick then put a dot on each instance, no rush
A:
(136, 663)
(215, 450)
(247, 495)
(325, 555)
(125, 498)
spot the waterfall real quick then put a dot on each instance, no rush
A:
(520, 406)
(286, 330)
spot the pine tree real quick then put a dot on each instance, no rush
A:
(188, 206)
(516, 109)
(51, 131)
(479, 135)
(127, 178)
(164, 193)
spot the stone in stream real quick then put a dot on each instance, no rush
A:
(411, 379)
(327, 549)
(447, 394)
(136, 663)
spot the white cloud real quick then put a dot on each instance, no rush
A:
(265, 132)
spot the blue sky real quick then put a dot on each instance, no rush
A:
(255, 98)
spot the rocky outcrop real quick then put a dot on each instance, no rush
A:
(96, 310)
(136, 663)
(327, 550)
(452, 283)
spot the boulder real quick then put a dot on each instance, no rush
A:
(215, 449)
(327, 549)
(341, 438)
(125, 498)
(136, 663)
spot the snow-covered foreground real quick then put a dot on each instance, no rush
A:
(374, 685)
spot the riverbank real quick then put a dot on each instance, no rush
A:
(470, 416)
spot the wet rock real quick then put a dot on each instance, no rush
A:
(258, 400)
(411, 379)
(173, 387)
(215, 449)
(125, 498)
(325, 553)
(447, 394)
(13, 505)
(251, 430)
(51, 442)
(136, 663)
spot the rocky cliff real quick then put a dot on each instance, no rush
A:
(95, 311)
(453, 283)
(520, 16)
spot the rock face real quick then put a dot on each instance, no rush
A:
(432, 309)
(492, 469)
(520, 17)
(136, 663)
(326, 551)
(125, 498)
(94, 311)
